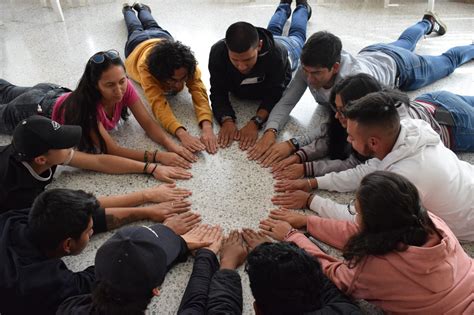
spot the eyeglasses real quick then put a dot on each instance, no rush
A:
(99, 57)
(340, 111)
(351, 207)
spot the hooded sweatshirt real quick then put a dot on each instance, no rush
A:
(266, 81)
(445, 183)
(436, 278)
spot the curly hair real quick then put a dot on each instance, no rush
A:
(168, 56)
(284, 279)
(392, 217)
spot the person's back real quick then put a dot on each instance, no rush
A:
(445, 183)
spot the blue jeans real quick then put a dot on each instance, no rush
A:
(296, 34)
(416, 71)
(141, 28)
(462, 112)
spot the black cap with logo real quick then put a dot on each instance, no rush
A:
(36, 135)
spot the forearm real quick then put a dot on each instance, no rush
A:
(195, 297)
(125, 200)
(116, 217)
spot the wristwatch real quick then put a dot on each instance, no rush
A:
(258, 121)
(295, 143)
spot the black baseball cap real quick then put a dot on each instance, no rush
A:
(136, 258)
(36, 135)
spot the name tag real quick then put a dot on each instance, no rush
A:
(254, 80)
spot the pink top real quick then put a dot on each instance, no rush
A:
(436, 278)
(129, 98)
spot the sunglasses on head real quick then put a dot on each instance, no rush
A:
(99, 57)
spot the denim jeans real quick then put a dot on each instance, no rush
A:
(18, 103)
(141, 28)
(416, 71)
(296, 34)
(462, 111)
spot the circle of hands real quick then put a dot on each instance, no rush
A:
(292, 192)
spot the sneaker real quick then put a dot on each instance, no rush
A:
(140, 6)
(436, 24)
(306, 4)
(126, 7)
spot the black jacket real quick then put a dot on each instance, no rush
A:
(30, 282)
(209, 290)
(272, 73)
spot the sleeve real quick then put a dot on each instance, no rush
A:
(76, 283)
(327, 208)
(316, 149)
(225, 293)
(156, 97)
(275, 79)
(347, 180)
(336, 270)
(281, 111)
(322, 167)
(195, 297)
(333, 232)
(334, 301)
(99, 221)
(198, 92)
(219, 90)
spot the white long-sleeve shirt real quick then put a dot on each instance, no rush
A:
(445, 183)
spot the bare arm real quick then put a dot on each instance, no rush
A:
(106, 163)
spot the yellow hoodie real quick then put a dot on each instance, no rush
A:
(137, 69)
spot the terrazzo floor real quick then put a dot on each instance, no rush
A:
(227, 188)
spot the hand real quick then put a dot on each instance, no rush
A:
(227, 134)
(183, 223)
(162, 211)
(253, 239)
(165, 192)
(262, 145)
(293, 171)
(276, 153)
(182, 151)
(293, 199)
(296, 220)
(168, 173)
(274, 228)
(233, 251)
(196, 238)
(214, 235)
(191, 143)
(292, 184)
(279, 166)
(248, 135)
(208, 138)
(172, 159)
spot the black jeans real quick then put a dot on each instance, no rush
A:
(18, 103)
(141, 28)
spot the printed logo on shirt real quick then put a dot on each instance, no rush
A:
(254, 80)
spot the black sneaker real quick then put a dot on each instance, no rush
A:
(140, 6)
(126, 7)
(306, 4)
(436, 24)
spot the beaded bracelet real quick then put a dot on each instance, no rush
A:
(145, 156)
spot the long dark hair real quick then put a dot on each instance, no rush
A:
(349, 89)
(80, 107)
(392, 217)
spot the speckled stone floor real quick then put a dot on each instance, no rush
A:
(227, 188)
